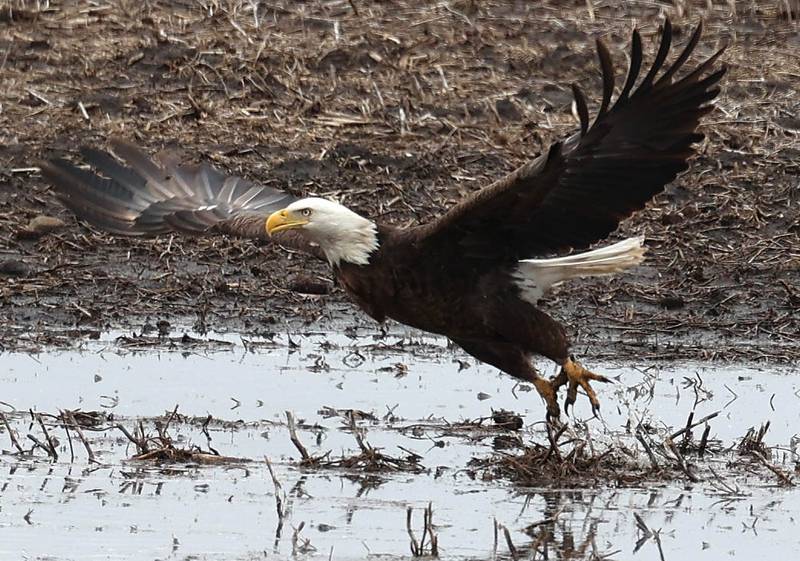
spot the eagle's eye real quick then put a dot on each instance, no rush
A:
(306, 212)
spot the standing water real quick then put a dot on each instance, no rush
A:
(411, 394)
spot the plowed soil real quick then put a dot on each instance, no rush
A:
(398, 109)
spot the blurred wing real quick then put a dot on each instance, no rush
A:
(145, 198)
(578, 192)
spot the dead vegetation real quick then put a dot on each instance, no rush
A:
(160, 447)
(368, 460)
(565, 466)
(155, 445)
(752, 444)
(578, 455)
(398, 109)
(572, 455)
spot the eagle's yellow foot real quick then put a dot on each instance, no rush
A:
(574, 375)
(548, 393)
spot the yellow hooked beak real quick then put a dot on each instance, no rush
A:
(284, 220)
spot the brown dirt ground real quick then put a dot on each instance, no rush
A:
(398, 109)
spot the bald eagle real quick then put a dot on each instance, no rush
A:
(476, 273)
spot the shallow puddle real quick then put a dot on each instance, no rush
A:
(414, 387)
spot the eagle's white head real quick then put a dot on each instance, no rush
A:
(342, 234)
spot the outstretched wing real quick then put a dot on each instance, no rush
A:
(142, 197)
(578, 192)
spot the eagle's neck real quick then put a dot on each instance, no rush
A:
(353, 242)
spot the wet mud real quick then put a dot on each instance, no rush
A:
(398, 110)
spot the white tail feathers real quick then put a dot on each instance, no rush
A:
(535, 276)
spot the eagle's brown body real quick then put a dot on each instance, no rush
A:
(462, 275)
(476, 308)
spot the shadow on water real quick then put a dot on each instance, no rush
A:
(425, 409)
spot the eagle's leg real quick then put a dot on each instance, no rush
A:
(574, 375)
(514, 361)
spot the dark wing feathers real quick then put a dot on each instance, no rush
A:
(661, 56)
(582, 109)
(666, 78)
(578, 192)
(633, 69)
(607, 66)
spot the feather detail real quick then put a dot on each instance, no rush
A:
(535, 277)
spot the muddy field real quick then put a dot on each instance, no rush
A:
(181, 398)
(398, 110)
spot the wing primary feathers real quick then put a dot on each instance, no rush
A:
(607, 67)
(578, 192)
(661, 56)
(183, 177)
(249, 194)
(635, 66)
(228, 189)
(583, 110)
(110, 167)
(683, 57)
(83, 188)
(697, 72)
(202, 181)
(137, 159)
(134, 195)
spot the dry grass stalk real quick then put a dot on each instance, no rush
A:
(11, 434)
(75, 425)
(50, 442)
(280, 500)
(306, 457)
(421, 548)
(782, 477)
(645, 533)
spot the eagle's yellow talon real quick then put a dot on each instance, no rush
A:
(548, 393)
(575, 375)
